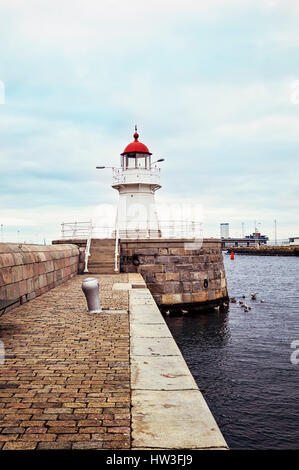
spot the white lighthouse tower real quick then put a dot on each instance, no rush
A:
(137, 180)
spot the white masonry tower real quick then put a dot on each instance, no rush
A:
(137, 180)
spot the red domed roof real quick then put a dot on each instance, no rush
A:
(136, 146)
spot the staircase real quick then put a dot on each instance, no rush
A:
(102, 256)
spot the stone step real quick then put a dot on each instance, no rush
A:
(102, 271)
(97, 265)
(101, 261)
(103, 247)
(101, 268)
(100, 264)
(102, 251)
(102, 243)
(102, 256)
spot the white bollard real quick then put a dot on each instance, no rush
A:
(90, 287)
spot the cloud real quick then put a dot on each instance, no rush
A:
(208, 83)
(270, 128)
(2, 92)
(39, 223)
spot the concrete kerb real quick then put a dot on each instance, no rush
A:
(168, 410)
(156, 330)
(173, 420)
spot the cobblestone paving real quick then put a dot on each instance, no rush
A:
(65, 383)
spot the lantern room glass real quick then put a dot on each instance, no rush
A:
(136, 161)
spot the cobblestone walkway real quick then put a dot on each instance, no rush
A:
(65, 383)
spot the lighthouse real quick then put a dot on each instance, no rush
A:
(137, 180)
(169, 254)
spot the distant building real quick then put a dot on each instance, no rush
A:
(224, 230)
(294, 241)
(255, 239)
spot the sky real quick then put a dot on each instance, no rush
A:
(212, 86)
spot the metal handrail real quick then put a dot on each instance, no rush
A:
(116, 243)
(116, 251)
(87, 250)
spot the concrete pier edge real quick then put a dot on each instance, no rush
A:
(168, 409)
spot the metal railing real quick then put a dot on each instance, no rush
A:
(166, 229)
(87, 250)
(136, 175)
(116, 251)
(76, 229)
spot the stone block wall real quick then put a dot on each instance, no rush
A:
(176, 271)
(175, 274)
(27, 271)
(81, 244)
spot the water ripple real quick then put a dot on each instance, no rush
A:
(241, 361)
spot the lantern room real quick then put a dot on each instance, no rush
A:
(136, 155)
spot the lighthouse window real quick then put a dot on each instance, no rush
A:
(141, 162)
(131, 161)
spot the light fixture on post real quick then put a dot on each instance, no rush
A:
(158, 161)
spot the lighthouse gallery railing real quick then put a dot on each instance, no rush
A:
(134, 175)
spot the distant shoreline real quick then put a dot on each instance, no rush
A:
(265, 250)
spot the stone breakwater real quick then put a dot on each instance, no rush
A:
(115, 380)
(65, 382)
(177, 272)
(27, 271)
(266, 250)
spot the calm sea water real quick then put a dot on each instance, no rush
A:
(241, 361)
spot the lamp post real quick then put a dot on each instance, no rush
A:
(158, 161)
